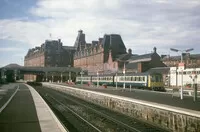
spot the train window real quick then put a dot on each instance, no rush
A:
(153, 79)
(184, 73)
(156, 78)
(143, 78)
(131, 78)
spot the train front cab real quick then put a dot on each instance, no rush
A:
(156, 82)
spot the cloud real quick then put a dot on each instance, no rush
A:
(8, 49)
(149, 23)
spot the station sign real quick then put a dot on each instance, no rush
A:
(181, 66)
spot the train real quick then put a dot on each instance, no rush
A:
(147, 80)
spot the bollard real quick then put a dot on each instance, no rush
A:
(130, 88)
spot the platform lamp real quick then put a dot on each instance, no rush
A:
(182, 51)
(97, 78)
(69, 73)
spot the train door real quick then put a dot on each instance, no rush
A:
(90, 79)
(113, 80)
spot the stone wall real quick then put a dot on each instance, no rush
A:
(177, 120)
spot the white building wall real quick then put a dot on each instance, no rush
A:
(190, 76)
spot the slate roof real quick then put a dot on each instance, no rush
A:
(159, 70)
(138, 57)
(132, 66)
(114, 43)
(69, 47)
(125, 56)
(12, 65)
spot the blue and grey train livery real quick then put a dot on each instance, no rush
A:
(152, 81)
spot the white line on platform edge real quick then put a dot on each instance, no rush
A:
(4, 106)
(61, 126)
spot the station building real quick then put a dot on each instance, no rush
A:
(100, 56)
(144, 62)
(52, 53)
(109, 55)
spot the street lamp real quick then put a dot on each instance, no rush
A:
(61, 77)
(81, 76)
(124, 72)
(194, 84)
(52, 78)
(46, 76)
(116, 80)
(182, 51)
(69, 74)
(97, 79)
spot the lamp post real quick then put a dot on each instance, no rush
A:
(194, 84)
(116, 80)
(46, 76)
(124, 72)
(97, 79)
(61, 77)
(69, 74)
(182, 51)
(52, 78)
(81, 76)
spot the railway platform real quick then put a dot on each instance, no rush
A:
(161, 98)
(23, 110)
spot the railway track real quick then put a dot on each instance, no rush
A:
(90, 117)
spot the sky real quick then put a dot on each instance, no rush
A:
(142, 24)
